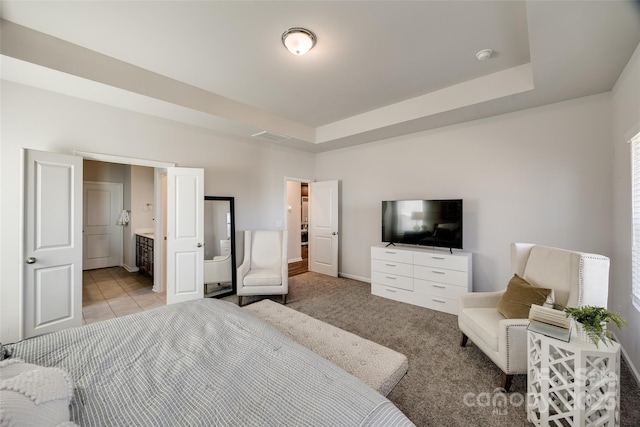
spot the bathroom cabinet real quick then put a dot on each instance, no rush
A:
(144, 254)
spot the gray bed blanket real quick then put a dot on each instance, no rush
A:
(203, 363)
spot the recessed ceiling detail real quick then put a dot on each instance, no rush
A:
(375, 75)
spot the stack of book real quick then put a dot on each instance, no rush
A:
(550, 322)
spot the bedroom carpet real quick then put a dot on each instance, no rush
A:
(446, 385)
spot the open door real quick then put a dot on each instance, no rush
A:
(52, 245)
(323, 227)
(185, 234)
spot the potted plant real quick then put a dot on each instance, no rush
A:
(593, 320)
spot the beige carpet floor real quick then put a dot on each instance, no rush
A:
(446, 385)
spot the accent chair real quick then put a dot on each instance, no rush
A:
(264, 269)
(576, 278)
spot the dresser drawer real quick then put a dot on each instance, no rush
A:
(438, 289)
(447, 305)
(388, 254)
(448, 261)
(432, 274)
(392, 267)
(392, 293)
(393, 280)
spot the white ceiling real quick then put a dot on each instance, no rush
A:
(379, 69)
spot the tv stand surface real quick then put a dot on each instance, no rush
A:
(428, 278)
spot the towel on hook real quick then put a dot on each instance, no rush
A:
(123, 219)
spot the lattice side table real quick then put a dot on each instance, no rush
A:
(572, 383)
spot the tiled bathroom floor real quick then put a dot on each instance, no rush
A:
(114, 292)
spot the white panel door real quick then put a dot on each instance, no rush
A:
(185, 234)
(323, 227)
(102, 238)
(52, 280)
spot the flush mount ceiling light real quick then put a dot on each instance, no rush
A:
(298, 40)
(484, 54)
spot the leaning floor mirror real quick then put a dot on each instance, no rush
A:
(219, 247)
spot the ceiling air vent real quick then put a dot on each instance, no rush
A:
(270, 136)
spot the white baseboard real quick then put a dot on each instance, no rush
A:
(354, 277)
(130, 269)
(634, 370)
(295, 260)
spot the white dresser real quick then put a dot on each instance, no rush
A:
(428, 278)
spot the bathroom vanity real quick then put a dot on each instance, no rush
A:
(144, 253)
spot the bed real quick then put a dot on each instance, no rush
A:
(202, 363)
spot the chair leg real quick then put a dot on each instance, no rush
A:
(463, 339)
(239, 301)
(284, 299)
(506, 381)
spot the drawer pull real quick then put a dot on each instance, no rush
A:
(390, 290)
(391, 277)
(439, 300)
(438, 272)
(439, 286)
(438, 257)
(391, 265)
(390, 252)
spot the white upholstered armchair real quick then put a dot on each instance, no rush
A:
(576, 278)
(265, 268)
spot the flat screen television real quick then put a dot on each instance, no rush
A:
(423, 222)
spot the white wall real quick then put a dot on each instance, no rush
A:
(253, 173)
(541, 175)
(626, 120)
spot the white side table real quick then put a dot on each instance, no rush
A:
(572, 383)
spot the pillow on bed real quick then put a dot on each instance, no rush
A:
(516, 301)
(34, 395)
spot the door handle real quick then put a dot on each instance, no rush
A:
(334, 233)
(31, 260)
(200, 245)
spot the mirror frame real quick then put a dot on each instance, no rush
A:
(233, 244)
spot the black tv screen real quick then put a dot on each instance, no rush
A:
(423, 222)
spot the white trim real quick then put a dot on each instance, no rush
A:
(633, 369)
(124, 160)
(307, 180)
(354, 277)
(295, 260)
(130, 269)
(21, 244)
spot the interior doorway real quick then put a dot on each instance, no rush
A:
(320, 225)
(134, 214)
(148, 208)
(297, 215)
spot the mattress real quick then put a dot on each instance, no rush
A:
(201, 363)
